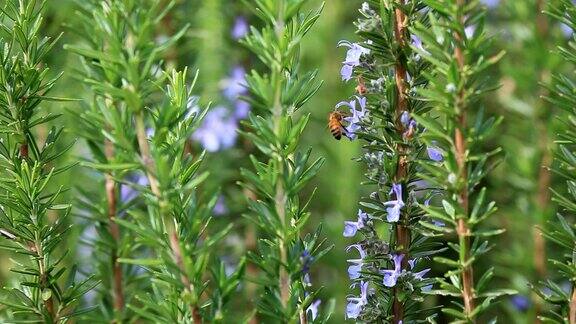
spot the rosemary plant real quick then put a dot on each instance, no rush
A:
(33, 223)
(455, 45)
(137, 129)
(283, 255)
(562, 232)
(390, 271)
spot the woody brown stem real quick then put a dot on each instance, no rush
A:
(36, 247)
(149, 165)
(24, 150)
(542, 198)
(462, 230)
(400, 76)
(114, 230)
(572, 311)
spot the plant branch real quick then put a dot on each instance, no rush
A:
(280, 198)
(149, 165)
(467, 274)
(400, 75)
(114, 230)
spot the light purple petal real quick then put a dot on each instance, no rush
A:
(434, 154)
(420, 275)
(346, 72)
(390, 277)
(393, 213)
(350, 228)
(354, 271)
(313, 308)
(240, 28)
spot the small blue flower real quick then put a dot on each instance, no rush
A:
(520, 302)
(346, 72)
(218, 130)
(357, 115)
(405, 118)
(350, 228)
(394, 205)
(307, 280)
(420, 275)
(235, 85)
(469, 31)
(391, 276)
(438, 223)
(313, 309)
(130, 191)
(240, 28)
(353, 56)
(566, 30)
(356, 266)
(491, 3)
(355, 304)
(307, 260)
(427, 288)
(220, 207)
(434, 153)
(241, 109)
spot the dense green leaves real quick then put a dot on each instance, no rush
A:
(33, 219)
(277, 180)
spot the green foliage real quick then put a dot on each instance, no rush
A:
(33, 218)
(562, 232)
(283, 255)
(133, 129)
(390, 73)
(457, 47)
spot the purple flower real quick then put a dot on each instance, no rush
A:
(241, 109)
(469, 31)
(356, 266)
(346, 72)
(438, 223)
(357, 115)
(520, 302)
(313, 309)
(130, 191)
(394, 205)
(420, 275)
(218, 130)
(350, 228)
(240, 28)
(234, 85)
(566, 30)
(491, 3)
(408, 123)
(355, 304)
(434, 154)
(391, 276)
(417, 42)
(220, 207)
(405, 118)
(307, 260)
(353, 55)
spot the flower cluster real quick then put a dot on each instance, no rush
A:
(219, 130)
(381, 114)
(355, 118)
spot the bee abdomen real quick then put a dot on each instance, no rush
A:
(336, 132)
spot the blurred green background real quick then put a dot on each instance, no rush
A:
(519, 184)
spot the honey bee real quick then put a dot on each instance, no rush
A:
(335, 124)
